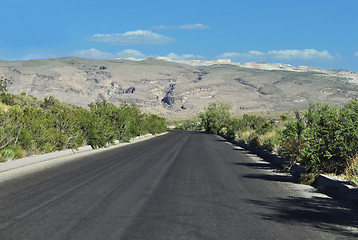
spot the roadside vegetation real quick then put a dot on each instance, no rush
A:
(322, 139)
(32, 126)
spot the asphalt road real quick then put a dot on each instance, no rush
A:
(182, 185)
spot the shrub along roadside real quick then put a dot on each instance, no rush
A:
(49, 125)
(322, 139)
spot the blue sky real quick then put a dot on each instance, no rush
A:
(306, 32)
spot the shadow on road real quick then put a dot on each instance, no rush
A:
(267, 157)
(322, 213)
(254, 165)
(275, 178)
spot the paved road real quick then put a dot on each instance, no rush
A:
(183, 185)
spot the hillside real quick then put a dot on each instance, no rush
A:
(170, 88)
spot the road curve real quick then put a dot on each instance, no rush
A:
(182, 185)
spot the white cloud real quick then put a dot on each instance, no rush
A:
(132, 38)
(306, 54)
(182, 27)
(130, 53)
(38, 56)
(194, 26)
(288, 54)
(356, 54)
(176, 57)
(93, 53)
(163, 27)
(247, 55)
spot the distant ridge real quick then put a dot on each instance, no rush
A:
(181, 88)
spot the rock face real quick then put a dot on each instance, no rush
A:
(171, 88)
(168, 101)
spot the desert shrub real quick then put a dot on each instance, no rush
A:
(347, 135)
(232, 126)
(154, 124)
(96, 126)
(324, 149)
(50, 101)
(215, 117)
(19, 152)
(292, 141)
(23, 100)
(37, 130)
(67, 127)
(32, 126)
(259, 124)
(256, 131)
(284, 117)
(10, 127)
(8, 153)
(188, 124)
(104, 123)
(322, 139)
(13, 152)
(129, 122)
(330, 137)
(7, 98)
(134, 120)
(291, 148)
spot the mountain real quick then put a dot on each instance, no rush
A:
(181, 88)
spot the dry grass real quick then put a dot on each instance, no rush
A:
(269, 141)
(245, 136)
(3, 107)
(308, 178)
(352, 170)
(263, 138)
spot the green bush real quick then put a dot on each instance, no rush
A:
(8, 153)
(215, 117)
(8, 99)
(292, 141)
(259, 124)
(218, 119)
(154, 124)
(321, 140)
(327, 149)
(52, 125)
(188, 124)
(17, 151)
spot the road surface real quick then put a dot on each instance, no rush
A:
(182, 185)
